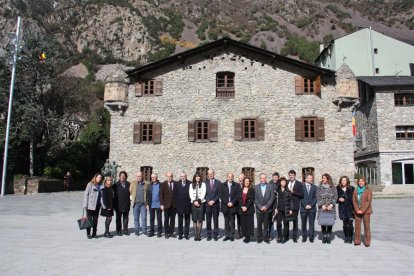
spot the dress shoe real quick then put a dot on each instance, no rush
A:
(328, 239)
(279, 240)
(259, 241)
(186, 237)
(208, 238)
(151, 235)
(324, 239)
(215, 238)
(284, 240)
(89, 236)
(136, 233)
(231, 239)
(311, 240)
(173, 236)
(295, 240)
(119, 233)
(94, 236)
(350, 240)
(107, 235)
(180, 237)
(357, 244)
(246, 240)
(304, 239)
(367, 244)
(158, 235)
(167, 236)
(267, 241)
(126, 232)
(226, 238)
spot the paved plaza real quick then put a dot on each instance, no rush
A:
(40, 236)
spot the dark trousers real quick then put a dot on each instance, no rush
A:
(281, 219)
(348, 228)
(169, 220)
(212, 212)
(308, 216)
(295, 226)
(125, 219)
(94, 214)
(152, 212)
(229, 222)
(239, 228)
(262, 225)
(186, 218)
(247, 225)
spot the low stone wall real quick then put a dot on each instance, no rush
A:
(37, 185)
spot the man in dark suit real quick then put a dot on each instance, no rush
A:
(274, 183)
(229, 191)
(122, 203)
(264, 197)
(308, 208)
(295, 187)
(212, 206)
(183, 202)
(168, 204)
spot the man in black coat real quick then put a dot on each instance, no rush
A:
(183, 204)
(308, 208)
(229, 191)
(295, 187)
(122, 203)
(212, 204)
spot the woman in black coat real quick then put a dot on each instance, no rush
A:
(345, 207)
(107, 202)
(246, 210)
(284, 210)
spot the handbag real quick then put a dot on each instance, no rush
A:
(326, 218)
(84, 222)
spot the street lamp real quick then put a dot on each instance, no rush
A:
(17, 47)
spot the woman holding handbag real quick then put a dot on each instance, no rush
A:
(362, 200)
(327, 196)
(346, 207)
(197, 194)
(107, 198)
(284, 210)
(92, 203)
(246, 210)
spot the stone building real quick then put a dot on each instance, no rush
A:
(229, 106)
(385, 123)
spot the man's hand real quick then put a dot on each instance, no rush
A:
(196, 203)
(341, 199)
(308, 207)
(244, 209)
(230, 205)
(263, 209)
(162, 207)
(147, 207)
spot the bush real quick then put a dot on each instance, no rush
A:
(201, 30)
(301, 47)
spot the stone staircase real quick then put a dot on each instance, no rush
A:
(392, 191)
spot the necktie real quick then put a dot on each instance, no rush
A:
(171, 187)
(183, 184)
(308, 186)
(211, 185)
(229, 191)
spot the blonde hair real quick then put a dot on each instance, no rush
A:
(108, 178)
(94, 181)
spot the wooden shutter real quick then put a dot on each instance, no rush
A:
(157, 133)
(298, 85)
(298, 129)
(317, 86)
(191, 129)
(138, 89)
(158, 87)
(237, 130)
(320, 124)
(260, 129)
(137, 133)
(213, 131)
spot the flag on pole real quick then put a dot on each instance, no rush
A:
(353, 124)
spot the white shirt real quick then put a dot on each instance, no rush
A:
(291, 184)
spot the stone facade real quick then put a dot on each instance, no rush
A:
(262, 91)
(379, 118)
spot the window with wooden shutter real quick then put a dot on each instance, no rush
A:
(157, 133)
(203, 171)
(404, 99)
(250, 173)
(225, 85)
(213, 131)
(306, 86)
(249, 130)
(146, 173)
(202, 131)
(191, 131)
(404, 132)
(147, 132)
(310, 129)
(137, 133)
(158, 87)
(148, 88)
(238, 130)
(138, 89)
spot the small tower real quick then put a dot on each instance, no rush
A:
(346, 90)
(116, 91)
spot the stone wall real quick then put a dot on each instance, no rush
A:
(36, 185)
(366, 119)
(261, 92)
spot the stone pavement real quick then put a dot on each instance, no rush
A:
(40, 236)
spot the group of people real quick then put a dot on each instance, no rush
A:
(279, 201)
